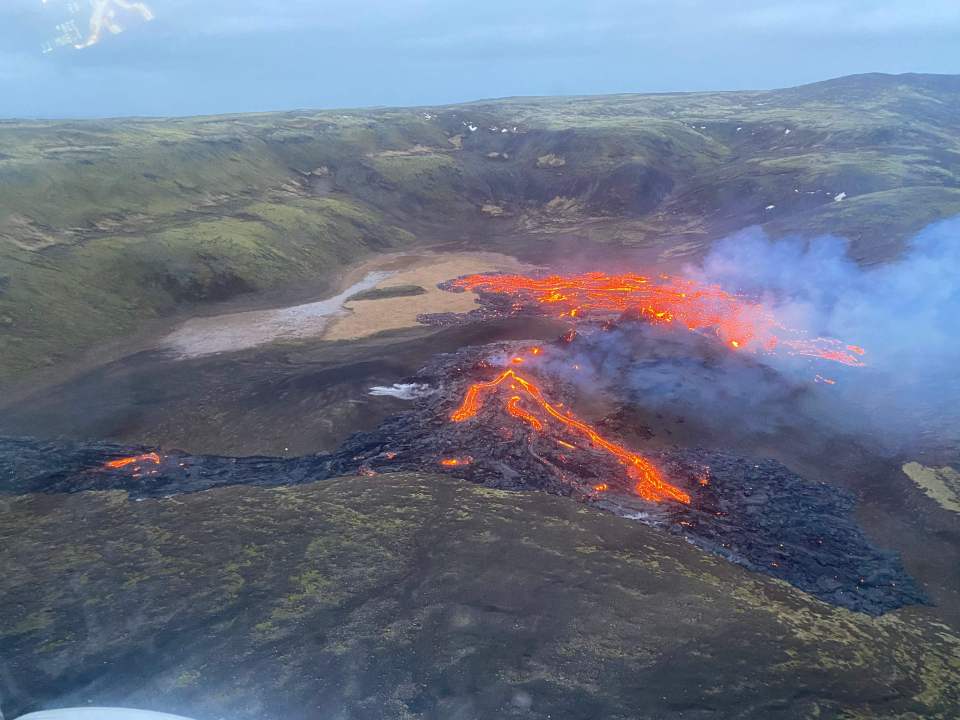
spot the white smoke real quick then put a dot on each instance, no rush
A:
(906, 314)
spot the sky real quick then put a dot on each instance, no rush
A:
(191, 57)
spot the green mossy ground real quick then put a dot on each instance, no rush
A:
(409, 596)
(106, 224)
(390, 291)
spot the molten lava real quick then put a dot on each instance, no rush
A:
(456, 462)
(124, 462)
(738, 321)
(650, 485)
(513, 407)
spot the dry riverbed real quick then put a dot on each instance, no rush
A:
(339, 317)
(368, 317)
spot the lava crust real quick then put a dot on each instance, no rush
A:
(756, 513)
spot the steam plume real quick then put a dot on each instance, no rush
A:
(906, 314)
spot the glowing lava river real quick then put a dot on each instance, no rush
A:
(650, 485)
(740, 322)
(496, 414)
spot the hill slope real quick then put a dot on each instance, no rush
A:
(104, 224)
(416, 596)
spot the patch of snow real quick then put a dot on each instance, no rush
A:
(404, 391)
(839, 196)
(769, 207)
(787, 131)
(739, 129)
(472, 128)
(504, 130)
(636, 515)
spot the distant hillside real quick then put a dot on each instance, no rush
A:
(106, 223)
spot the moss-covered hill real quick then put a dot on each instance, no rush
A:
(104, 224)
(414, 596)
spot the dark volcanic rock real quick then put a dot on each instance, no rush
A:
(30, 466)
(759, 514)
(755, 513)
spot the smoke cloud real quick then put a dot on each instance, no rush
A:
(905, 314)
(81, 27)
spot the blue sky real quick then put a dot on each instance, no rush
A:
(213, 56)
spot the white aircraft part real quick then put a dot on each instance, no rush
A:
(91, 713)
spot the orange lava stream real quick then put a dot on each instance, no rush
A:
(650, 484)
(123, 462)
(739, 322)
(456, 462)
(513, 407)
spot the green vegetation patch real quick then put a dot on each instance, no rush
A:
(414, 596)
(106, 224)
(390, 291)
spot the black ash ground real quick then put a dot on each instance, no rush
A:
(753, 512)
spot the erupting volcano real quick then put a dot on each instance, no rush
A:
(151, 457)
(650, 485)
(498, 413)
(740, 322)
(488, 420)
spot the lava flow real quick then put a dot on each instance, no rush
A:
(650, 484)
(124, 462)
(740, 322)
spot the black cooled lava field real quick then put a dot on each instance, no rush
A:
(751, 511)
